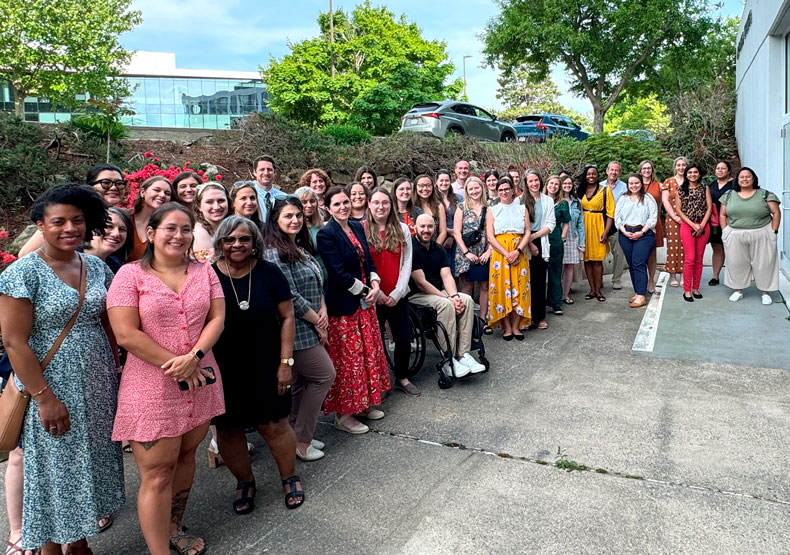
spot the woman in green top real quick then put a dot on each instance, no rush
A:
(750, 220)
(562, 213)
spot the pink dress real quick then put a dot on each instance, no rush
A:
(150, 404)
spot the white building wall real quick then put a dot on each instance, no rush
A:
(760, 83)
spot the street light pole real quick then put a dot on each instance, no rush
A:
(463, 62)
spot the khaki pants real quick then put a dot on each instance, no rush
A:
(459, 326)
(618, 258)
(750, 254)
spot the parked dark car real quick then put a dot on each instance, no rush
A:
(445, 117)
(539, 127)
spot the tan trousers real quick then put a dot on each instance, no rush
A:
(750, 254)
(618, 257)
(458, 326)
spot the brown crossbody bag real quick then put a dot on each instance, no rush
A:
(13, 403)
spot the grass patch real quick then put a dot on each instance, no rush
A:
(562, 461)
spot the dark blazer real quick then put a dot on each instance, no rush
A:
(342, 265)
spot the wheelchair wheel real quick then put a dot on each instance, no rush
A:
(418, 345)
(444, 381)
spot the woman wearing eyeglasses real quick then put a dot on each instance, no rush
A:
(167, 311)
(107, 180)
(508, 231)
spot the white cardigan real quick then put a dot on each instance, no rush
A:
(402, 287)
(547, 219)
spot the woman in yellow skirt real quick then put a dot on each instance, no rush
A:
(508, 231)
(598, 207)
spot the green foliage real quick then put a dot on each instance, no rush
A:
(43, 40)
(703, 122)
(346, 134)
(562, 461)
(97, 126)
(382, 67)
(602, 149)
(25, 168)
(645, 112)
(605, 46)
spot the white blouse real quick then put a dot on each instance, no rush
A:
(508, 218)
(636, 213)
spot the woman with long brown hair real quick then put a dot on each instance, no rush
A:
(211, 207)
(652, 187)
(154, 192)
(670, 201)
(390, 248)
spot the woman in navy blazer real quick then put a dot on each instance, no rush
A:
(354, 342)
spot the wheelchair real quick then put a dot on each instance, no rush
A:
(424, 326)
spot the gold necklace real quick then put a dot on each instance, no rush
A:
(40, 250)
(243, 305)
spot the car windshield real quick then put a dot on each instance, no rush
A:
(426, 107)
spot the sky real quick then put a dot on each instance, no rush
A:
(243, 34)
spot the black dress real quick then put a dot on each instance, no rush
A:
(248, 351)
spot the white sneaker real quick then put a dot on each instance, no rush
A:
(474, 366)
(460, 369)
(767, 300)
(735, 297)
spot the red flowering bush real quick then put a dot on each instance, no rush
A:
(136, 178)
(5, 257)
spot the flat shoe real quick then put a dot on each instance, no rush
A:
(674, 283)
(632, 304)
(371, 413)
(568, 301)
(311, 454)
(107, 523)
(408, 389)
(713, 281)
(507, 337)
(735, 297)
(317, 444)
(688, 299)
(697, 295)
(600, 297)
(518, 337)
(766, 300)
(358, 429)
(543, 326)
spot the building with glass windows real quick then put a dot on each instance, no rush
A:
(166, 96)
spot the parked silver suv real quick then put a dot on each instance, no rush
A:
(450, 116)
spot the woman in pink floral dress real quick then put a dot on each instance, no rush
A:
(168, 312)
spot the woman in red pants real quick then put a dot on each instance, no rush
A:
(694, 212)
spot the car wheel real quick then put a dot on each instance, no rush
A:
(454, 131)
(508, 137)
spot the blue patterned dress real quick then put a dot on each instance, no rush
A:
(73, 480)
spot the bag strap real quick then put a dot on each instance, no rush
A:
(481, 225)
(67, 329)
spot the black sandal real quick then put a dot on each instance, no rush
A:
(600, 297)
(589, 296)
(246, 498)
(488, 330)
(294, 493)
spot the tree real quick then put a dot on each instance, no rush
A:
(606, 45)
(522, 95)
(60, 49)
(382, 67)
(645, 112)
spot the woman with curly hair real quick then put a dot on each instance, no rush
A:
(66, 434)
(319, 181)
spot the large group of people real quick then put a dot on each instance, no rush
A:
(254, 310)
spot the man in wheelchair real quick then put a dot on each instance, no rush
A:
(432, 285)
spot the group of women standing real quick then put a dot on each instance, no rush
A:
(221, 318)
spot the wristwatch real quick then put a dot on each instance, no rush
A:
(288, 361)
(198, 354)
(776, 231)
(519, 250)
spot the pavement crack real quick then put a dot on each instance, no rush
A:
(580, 468)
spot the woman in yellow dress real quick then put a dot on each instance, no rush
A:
(598, 207)
(508, 232)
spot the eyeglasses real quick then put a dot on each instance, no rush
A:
(504, 189)
(172, 230)
(107, 183)
(243, 240)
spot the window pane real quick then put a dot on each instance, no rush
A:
(195, 87)
(223, 122)
(166, 91)
(196, 121)
(168, 120)
(153, 120)
(210, 122)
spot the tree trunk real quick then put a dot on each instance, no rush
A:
(108, 146)
(19, 101)
(598, 114)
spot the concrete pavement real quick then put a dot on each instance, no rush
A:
(690, 458)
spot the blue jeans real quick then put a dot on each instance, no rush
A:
(637, 253)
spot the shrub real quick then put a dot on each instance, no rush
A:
(703, 122)
(347, 134)
(25, 168)
(96, 126)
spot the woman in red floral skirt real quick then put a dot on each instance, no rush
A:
(354, 342)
